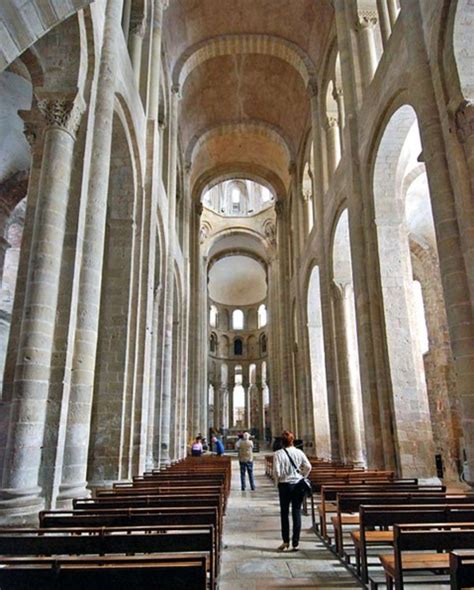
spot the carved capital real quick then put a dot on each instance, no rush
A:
(137, 27)
(279, 208)
(331, 122)
(337, 93)
(60, 110)
(307, 194)
(176, 90)
(366, 20)
(464, 120)
(199, 209)
(312, 87)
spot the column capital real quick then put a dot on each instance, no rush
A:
(279, 208)
(176, 91)
(337, 93)
(331, 122)
(312, 88)
(366, 20)
(464, 119)
(137, 27)
(33, 123)
(198, 207)
(61, 110)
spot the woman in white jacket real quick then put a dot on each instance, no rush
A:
(286, 476)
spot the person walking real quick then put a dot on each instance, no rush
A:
(290, 465)
(244, 447)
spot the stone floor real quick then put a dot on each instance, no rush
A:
(252, 533)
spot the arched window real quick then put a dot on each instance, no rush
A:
(263, 344)
(235, 200)
(237, 319)
(213, 316)
(213, 343)
(238, 347)
(262, 316)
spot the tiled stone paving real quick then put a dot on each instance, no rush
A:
(252, 534)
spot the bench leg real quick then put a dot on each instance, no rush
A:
(389, 582)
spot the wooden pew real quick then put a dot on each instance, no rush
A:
(412, 539)
(112, 540)
(461, 569)
(170, 572)
(328, 503)
(385, 516)
(350, 503)
(134, 517)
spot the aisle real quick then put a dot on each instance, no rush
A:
(252, 534)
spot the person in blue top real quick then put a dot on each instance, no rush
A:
(219, 446)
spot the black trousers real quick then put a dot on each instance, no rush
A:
(287, 497)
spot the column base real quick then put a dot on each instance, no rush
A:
(20, 507)
(69, 492)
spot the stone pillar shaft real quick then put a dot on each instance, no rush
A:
(155, 66)
(347, 388)
(367, 50)
(169, 294)
(334, 148)
(90, 276)
(384, 19)
(23, 456)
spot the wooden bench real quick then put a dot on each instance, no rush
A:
(134, 517)
(112, 540)
(461, 569)
(350, 504)
(411, 543)
(375, 520)
(170, 572)
(328, 503)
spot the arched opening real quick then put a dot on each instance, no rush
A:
(238, 347)
(318, 367)
(237, 319)
(238, 399)
(213, 316)
(262, 316)
(350, 413)
(414, 312)
(463, 46)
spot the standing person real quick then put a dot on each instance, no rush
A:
(286, 476)
(196, 447)
(244, 447)
(219, 446)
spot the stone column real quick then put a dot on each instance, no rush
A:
(452, 263)
(248, 404)
(80, 387)
(135, 44)
(169, 294)
(4, 245)
(334, 148)
(349, 402)
(155, 67)
(225, 405)
(319, 191)
(367, 51)
(384, 19)
(338, 96)
(21, 493)
(230, 406)
(260, 424)
(392, 11)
